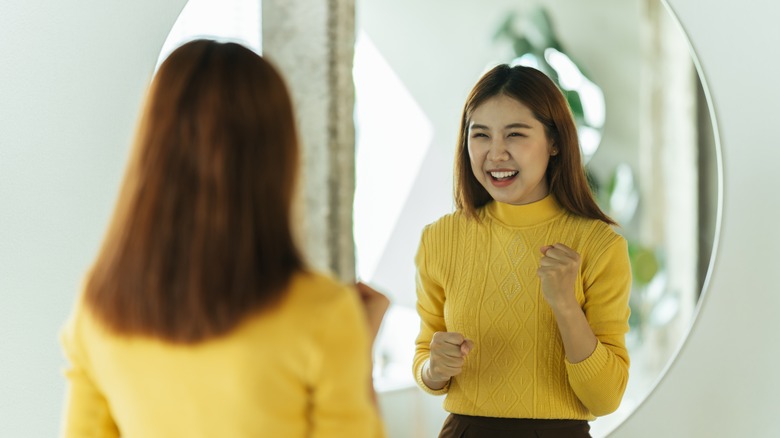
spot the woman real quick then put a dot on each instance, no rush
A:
(199, 317)
(523, 290)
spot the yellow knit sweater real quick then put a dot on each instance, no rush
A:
(301, 369)
(479, 278)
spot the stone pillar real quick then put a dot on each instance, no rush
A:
(312, 43)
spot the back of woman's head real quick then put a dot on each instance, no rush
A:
(201, 234)
(565, 174)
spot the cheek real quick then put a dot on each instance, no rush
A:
(474, 158)
(470, 150)
(544, 165)
(476, 169)
(538, 158)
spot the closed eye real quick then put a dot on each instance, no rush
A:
(478, 134)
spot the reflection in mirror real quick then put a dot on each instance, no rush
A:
(653, 164)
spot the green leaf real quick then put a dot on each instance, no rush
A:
(505, 29)
(575, 103)
(522, 46)
(542, 24)
(644, 263)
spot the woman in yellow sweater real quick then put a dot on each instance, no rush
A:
(199, 317)
(523, 290)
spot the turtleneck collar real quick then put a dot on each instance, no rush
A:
(525, 215)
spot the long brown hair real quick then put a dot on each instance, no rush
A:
(201, 233)
(565, 172)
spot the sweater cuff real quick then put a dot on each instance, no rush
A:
(421, 383)
(590, 367)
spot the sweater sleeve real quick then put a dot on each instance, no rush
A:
(600, 380)
(430, 308)
(87, 414)
(341, 401)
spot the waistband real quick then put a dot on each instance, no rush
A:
(519, 423)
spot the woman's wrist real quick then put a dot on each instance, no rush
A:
(566, 309)
(430, 381)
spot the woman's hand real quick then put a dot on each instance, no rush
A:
(448, 352)
(558, 271)
(375, 305)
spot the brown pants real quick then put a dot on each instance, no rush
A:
(465, 426)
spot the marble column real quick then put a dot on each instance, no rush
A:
(312, 43)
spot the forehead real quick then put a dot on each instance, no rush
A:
(502, 110)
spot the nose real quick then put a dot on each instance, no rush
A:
(498, 150)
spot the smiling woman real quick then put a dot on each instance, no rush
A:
(526, 272)
(508, 151)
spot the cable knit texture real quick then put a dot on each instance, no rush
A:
(299, 369)
(478, 278)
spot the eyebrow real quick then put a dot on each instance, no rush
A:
(517, 125)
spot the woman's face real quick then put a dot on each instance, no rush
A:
(509, 151)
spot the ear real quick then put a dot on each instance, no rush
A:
(553, 150)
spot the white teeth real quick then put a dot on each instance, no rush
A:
(500, 175)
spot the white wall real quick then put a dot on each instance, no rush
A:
(71, 79)
(72, 76)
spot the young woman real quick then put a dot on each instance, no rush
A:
(199, 317)
(523, 290)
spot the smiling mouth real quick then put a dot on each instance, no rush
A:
(503, 175)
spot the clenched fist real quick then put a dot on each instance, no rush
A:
(448, 352)
(558, 271)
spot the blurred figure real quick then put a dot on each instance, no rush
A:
(199, 317)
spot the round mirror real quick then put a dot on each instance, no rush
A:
(645, 128)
